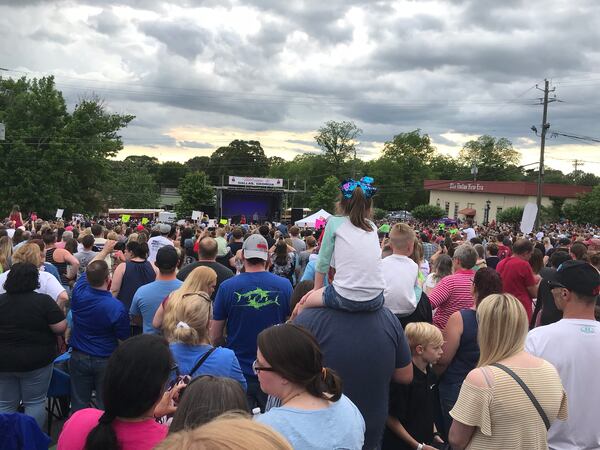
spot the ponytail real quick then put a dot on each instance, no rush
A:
(326, 384)
(103, 436)
(358, 209)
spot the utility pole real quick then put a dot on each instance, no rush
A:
(576, 164)
(545, 127)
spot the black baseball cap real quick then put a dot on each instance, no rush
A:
(576, 276)
(167, 258)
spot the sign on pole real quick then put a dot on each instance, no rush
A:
(528, 219)
(2, 132)
(197, 215)
(59, 213)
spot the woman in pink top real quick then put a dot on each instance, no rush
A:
(134, 393)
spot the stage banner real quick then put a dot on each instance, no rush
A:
(253, 181)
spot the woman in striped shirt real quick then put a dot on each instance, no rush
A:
(493, 411)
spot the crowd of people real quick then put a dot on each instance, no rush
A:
(360, 334)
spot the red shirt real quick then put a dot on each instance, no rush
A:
(516, 276)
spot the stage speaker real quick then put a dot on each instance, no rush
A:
(297, 214)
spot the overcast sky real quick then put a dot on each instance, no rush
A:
(199, 74)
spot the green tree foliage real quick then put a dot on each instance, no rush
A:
(510, 215)
(496, 159)
(196, 192)
(428, 212)
(326, 195)
(52, 158)
(586, 209)
(239, 158)
(131, 186)
(378, 213)
(444, 167)
(401, 169)
(338, 140)
(198, 163)
(149, 163)
(170, 173)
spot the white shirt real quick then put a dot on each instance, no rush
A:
(156, 243)
(470, 232)
(400, 274)
(573, 347)
(48, 285)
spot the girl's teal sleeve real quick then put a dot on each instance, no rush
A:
(328, 244)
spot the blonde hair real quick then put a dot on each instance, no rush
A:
(28, 253)
(418, 252)
(195, 311)
(401, 234)
(198, 281)
(423, 333)
(133, 237)
(227, 433)
(6, 251)
(502, 328)
(112, 236)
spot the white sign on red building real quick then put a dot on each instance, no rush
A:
(253, 181)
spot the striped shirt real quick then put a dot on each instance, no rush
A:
(451, 294)
(502, 414)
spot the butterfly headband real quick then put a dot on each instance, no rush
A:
(366, 184)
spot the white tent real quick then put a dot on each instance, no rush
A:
(310, 220)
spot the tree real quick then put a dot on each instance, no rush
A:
(196, 192)
(239, 158)
(496, 159)
(325, 195)
(337, 140)
(52, 158)
(400, 171)
(444, 167)
(586, 209)
(198, 163)
(510, 215)
(428, 212)
(170, 173)
(132, 186)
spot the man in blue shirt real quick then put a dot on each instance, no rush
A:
(367, 350)
(148, 298)
(248, 303)
(99, 322)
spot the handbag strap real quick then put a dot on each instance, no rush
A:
(201, 361)
(527, 391)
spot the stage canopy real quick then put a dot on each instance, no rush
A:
(311, 220)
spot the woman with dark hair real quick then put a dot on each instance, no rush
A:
(283, 262)
(134, 393)
(314, 414)
(461, 350)
(29, 323)
(137, 271)
(205, 398)
(16, 217)
(536, 262)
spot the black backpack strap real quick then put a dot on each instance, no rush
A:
(201, 361)
(527, 391)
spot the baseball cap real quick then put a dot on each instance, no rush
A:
(576, 276)
(255, 246)
(140, 227)
(167, 258)
(164, 228)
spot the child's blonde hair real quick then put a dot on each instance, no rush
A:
(401, 234)
(423, 333)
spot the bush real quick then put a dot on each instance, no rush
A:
(428, 212)
(510, 215)
(378, 213)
